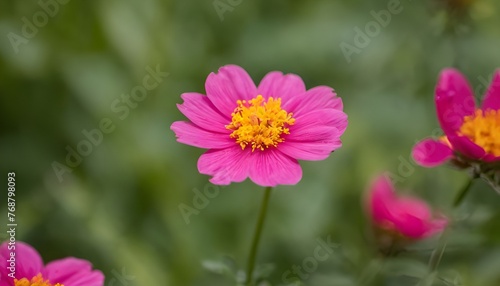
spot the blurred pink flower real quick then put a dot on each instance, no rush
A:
(471, 132)
(260, 131)
(30, 270)
(405, 216)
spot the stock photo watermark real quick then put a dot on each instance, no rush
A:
(11, 224)
(121, 107)
(322, 252)
(372, 29)
(224, 6)
(121, 278)
(407, 167)
(39, 19)
(200, 201)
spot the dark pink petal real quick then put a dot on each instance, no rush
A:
(226, 165)
(381, 199)
(200, 110)
(321, 143)
(489, 158)
(431, 153)
(436, 226)
(305, 125)
(411, 226)
(315, 135)
(192, 135)
(230, 84)
(416, 207)
(276, 84)
(321, 117)
(454, 100)
(320, 97)
(270, 168)
(492, 98)
(466, 147)
(411, 217)
(28, 262)
(73, 272)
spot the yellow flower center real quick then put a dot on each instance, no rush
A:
(35, 281)
(483, 128)
(259, 123)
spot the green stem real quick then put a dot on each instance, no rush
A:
(463, 192)
(437, 254)
(257, 234)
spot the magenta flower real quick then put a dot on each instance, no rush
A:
(404, 216)
(259, 132)
(30, 270)
(471, 133)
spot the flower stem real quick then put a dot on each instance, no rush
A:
(256, 235)
(437, 254)
(463, 192)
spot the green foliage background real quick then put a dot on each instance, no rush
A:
(120, 207)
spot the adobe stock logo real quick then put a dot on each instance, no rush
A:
(323, 251)
(221, 7)
(372, 29)
(121, 279)
(121, 106)
(201, 200)
(30, 27)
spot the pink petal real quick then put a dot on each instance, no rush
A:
(73, 272)
(270, 168)
(381, 199)
(431, 153)
(28, 262)
(276, 84)
(409, 216)
(190, 134)
(315, 149)
(230, 84)
(322, 117)
(200, 110)
(466, 147)
(492, 98)
(454, 100)
(413, 218)
(320, 97)
(490, 158)
(415, 207)
(411, 226)
(226, 165)
(315, 135)
(436, 226)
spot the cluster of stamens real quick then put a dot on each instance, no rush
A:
(259, 123)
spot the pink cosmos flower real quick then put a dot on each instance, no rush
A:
(471, 133)
(30, 270)
(260, 131)
(405, 216)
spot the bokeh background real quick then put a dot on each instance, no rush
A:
(120, 206)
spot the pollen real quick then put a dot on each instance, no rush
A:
(260, 124)
(35, 281)
(483, 128)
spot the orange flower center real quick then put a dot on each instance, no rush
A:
(35, 281)
(259, 123)
(483, 128)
